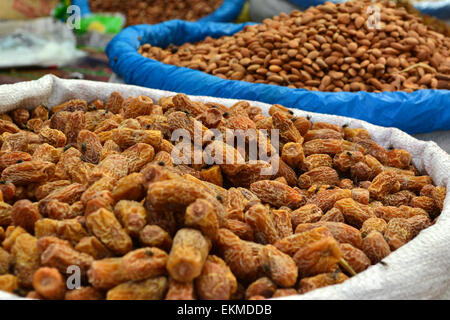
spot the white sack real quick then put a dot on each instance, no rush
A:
(418, 270)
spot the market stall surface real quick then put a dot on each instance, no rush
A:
(94, 66)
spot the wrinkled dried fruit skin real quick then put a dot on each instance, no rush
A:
(241, 256)
(413, 183)
(9, 283)
(201, 215)
(317, 160)
(372, 148)
(277, 194)
(411, 212)
(318, 176)
(114, 166)
(333, 215)
(8, 190)
(383, 184)
(130, 187)
(144, 263)
(11, 234)
(292, 154)
(398, 232)
(320, 281)
(182, 102)
(139, 106)
(288, 132)
(326, 199)
(49, 283)
(26, 258)
(318, 257)
(101, 200)
(90, 145)
(262, 287)
(426, 203)
(216, 282)
(138, 156)
(341, 232)
(104, 225)
(106, 273)
(282, 220)
(353, 212)
(76, 122)
(278, 266)
(84, 293)
(69, 229)
(177, 194)
(323, 133)
(361, 195)
(398, 158)
(284, 293)
(213, 175)
(399, 198)
(439, 194)
(375, 247)
(326, 146)
(373, 224)
(188, 255)
(180, 290)
(126, 137)
(28, 172)
(93, 247)
(418, 223)
(155, 236)
(149, 289)
(103, 184)
(259, 218)
(53, 137)
(290, 245)
(286, 172)
(132, 216)
(241, 229)
(96, 186)
(306, 214)
(9, 158)
(68, 194)
(388, 213)
(356, 258)
(114, 102)
(71, 166)
(24, 213)
(61, 257)
(345, 160)
(5, 214)
(5, 261)
(236, 204)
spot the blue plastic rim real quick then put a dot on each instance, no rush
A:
(228, 11)
(417, 112)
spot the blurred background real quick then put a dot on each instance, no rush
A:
(67, 38)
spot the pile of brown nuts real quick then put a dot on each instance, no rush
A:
(156, 11)
(95, 188)
(328, 48)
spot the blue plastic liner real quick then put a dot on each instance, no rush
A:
(227, 12)
(84, 6)
(439, 9)
(416, 112)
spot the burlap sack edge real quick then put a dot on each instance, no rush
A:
(418, 270)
